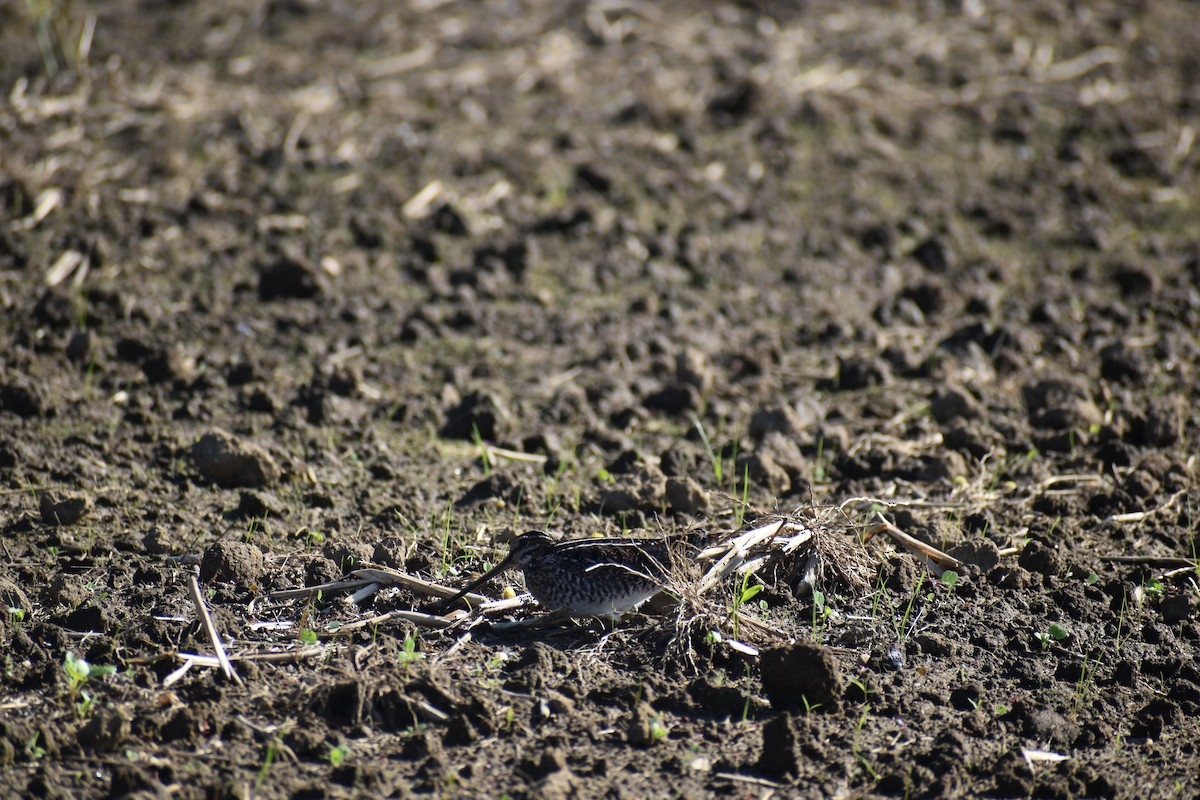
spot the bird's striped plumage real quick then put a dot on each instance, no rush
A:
(586, 577)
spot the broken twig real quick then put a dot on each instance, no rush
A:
(942, 560)
(211, 629)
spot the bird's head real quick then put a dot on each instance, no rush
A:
(527, 547)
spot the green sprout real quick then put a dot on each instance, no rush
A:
(337, 755)
(485, 455)
(744, 594)
(820, 474)
(902, 628)
(658, 730)
(87, 701)
(408, 652)
(739, 513)
(1083, 686)
(33, 749)
(268, 758)
(820, 614)
(79, 672)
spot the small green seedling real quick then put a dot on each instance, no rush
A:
(739, 513)
(408, 651)
(87, 701)
(748, 592)
(1083, 686)
(16, 614)
(741, 596)
(34, 749)
(1154, 588)
(864, 686)
(1124, 626)
(1044, 638)
(950, 579)
(308, 636)
(820, 474)
(268, 759)
(658, 730)
(79, 672)
(485, 455)
(902, 629)
(337, 755)
(821, 612)
(1059, 632)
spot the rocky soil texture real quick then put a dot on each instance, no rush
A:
(289, 287)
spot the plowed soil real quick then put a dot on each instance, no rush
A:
(289, 287)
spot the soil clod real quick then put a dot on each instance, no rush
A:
(803, 677)
(227, 561)
(64, 508)
(231, 462)
(879, 320)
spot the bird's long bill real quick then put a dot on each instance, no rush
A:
(482, 579)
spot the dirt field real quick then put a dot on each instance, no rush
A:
(289, 287)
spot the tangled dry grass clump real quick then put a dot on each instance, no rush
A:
(790, 555)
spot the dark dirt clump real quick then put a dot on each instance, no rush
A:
(288, 289)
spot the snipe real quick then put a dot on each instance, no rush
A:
(585, 577)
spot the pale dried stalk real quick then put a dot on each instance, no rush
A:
(415, 617)
(935, 555)
(377, 575)
(211, 629)
(737, 550)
